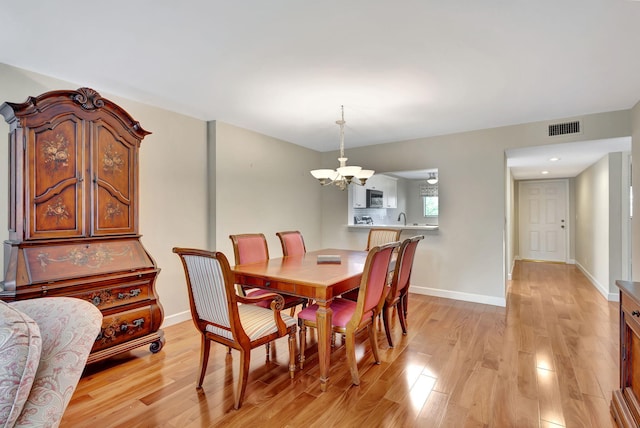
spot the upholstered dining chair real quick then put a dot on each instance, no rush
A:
(292, 243)
(349, 317)
(380, 236)
(252, 248)
(399, 290)
(226, 318)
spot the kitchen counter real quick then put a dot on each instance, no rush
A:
(394, 226)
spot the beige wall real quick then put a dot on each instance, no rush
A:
(592, 223)
(602, 225)
(263, 185)
(173, 180)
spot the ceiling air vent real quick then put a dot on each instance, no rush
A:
(564, 128)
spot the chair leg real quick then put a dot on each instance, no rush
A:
(292, 353)
(374, 342)
(402, 315)
(350, 346)
(245, 359)
(267, 347)
(405, 303)
(303, 343)
(204, 358)
(385, 320)
(292, 311)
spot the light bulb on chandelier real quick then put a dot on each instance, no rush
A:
(343, 175)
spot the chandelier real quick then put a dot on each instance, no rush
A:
(343, 175)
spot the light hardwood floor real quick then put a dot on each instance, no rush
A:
(549, 359)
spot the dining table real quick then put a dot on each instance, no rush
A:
(317, 275)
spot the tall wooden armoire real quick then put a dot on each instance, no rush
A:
(73, 214)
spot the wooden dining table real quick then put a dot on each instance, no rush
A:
(304, 276)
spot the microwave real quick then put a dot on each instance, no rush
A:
(374, 199)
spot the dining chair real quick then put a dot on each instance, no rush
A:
(224, 317)
(292, 243)
(380, 236)
(398, 294)
(350, 317)
(252, 248)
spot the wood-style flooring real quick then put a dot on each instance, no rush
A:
(549, 359)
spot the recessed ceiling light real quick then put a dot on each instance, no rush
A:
(545, 172)
(554, 159)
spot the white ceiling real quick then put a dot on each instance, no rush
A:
(403, 70)
(561, 160)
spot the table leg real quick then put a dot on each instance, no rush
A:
(323, 321)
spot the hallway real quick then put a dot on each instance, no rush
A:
(566, 335)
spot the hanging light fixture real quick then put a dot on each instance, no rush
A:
(343, 175)
(432, 179)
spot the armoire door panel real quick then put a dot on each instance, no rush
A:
(55, 200)
(56, 154)
(114, 186)
(57, 216)
(113, 215)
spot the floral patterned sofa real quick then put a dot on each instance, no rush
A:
(44, 345)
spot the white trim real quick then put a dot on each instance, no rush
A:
(513, 266)
(457, 295)
(176, 318)
(601, 289)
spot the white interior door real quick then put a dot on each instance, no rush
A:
(542, 220)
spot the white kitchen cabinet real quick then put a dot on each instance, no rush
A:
(390, 192)
(375, 182)
(359, 195)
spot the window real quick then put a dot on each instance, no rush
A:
(430, 204)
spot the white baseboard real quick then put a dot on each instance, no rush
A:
(601, 289)
(457, 295)
(176, 318)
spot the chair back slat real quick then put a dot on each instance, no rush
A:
(250, 248)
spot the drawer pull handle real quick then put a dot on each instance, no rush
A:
(137, 323)
(636, 313)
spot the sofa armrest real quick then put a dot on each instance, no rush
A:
(69, 327)
(20, 348)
